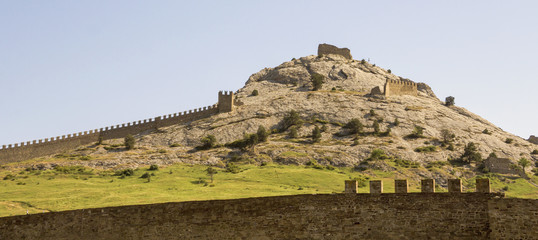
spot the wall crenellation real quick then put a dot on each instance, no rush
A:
(400, 87)
(308, 216)
(42, 147)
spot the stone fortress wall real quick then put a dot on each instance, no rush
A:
(324, 49)
(400, 87)
(37, 148)
(502, 165)
(350, 215)
(533, 139)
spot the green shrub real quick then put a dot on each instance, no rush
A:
(232, 168)
(262, 134)
(129, 142)
(146, 175)
(363, 61)
(523, 163)
(208, 142)
(255, 92)
(509, 140)
(354, 125)
(313, 163)
(447, 136)
(124, 173)
(396, 122)
(324, 128)
(486, 131)
(175, 145)
(375, 125)
(316, 134)
(9, 177)
(377, 154)
(418, 132)
(153, 167)
(535, 151)
(406, 163)
(162, 151)
(389, 71)
(430, 148)
(436, 164)
(317, 81)
(293, 132)
(291, 118)
(333, 89)
(248, 141)
(493, 155)
(372, 113)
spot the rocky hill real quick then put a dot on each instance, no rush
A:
(344, 95)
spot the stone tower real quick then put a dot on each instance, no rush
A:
(226, 99)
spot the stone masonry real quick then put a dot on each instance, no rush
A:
(37, 148)
(424, 215)
(400, 87)
(324, 49)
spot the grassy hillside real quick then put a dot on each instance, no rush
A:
(65, 188)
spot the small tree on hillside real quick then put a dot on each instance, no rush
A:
(129, 142)
(316, 134)
(317, 81)
(354, 125)
(262, 134)
(211, 171)
(291, 118)
(471, 154)
(376, 127)
(447, 136)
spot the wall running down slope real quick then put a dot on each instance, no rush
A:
(322, 216)
(37, 148)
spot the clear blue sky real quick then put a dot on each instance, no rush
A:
(70, 66)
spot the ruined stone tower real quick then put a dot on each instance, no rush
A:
(226, 99)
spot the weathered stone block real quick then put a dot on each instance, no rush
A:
(401, 186)
(427, 185)
(376, 186)
(482, 185)
(351, 186)
(454, 185)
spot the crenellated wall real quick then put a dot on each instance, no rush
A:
(42, 147)
(400, 87)
(319, 216)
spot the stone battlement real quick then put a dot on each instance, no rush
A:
(400, 87)
(317, 216)
(42, 147)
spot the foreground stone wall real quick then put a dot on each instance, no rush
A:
(43, 147)
(327, 216)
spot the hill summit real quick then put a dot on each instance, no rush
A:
(329, 109)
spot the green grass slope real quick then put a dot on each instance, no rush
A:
(66, 188)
